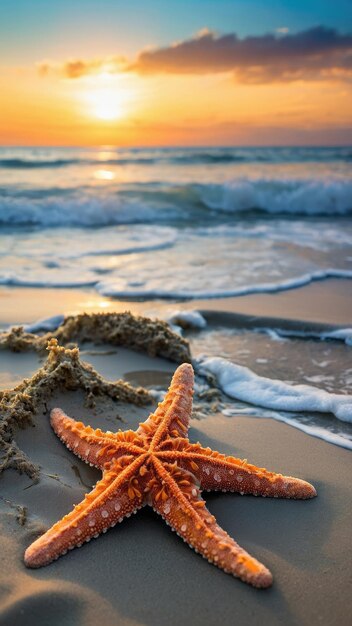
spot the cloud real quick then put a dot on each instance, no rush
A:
(77, 68)
(317, 53)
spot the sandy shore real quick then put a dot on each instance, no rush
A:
(326, 302)
(140, 573)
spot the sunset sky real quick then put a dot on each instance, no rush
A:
(176, 72)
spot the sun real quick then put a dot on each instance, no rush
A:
(107, 97)
(107, 103)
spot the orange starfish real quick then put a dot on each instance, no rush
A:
(157, 465)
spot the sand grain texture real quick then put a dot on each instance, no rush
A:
(141, 573)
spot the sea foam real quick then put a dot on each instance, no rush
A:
(279, 334)
(293, 197)
(120, 289)
(163, 202)
(187, 319)
(241, 383)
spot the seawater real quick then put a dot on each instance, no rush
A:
(138, 222)
(181, 223)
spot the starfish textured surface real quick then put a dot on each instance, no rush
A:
(158, 465)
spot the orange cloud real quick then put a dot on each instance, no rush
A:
(318, 53)
(76, 68)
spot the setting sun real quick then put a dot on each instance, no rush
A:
(107, 103)
(106, 97)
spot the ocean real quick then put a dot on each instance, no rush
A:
(191, 223)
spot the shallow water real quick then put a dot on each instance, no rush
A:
(136, 223)
(189, 223)
(319, 364)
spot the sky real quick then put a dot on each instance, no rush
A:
(175, 72)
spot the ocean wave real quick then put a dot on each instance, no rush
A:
(21, 164)
(86, 211)
(45, 324)
(240, 383)
(280, 334)
(119, 288)
(15, 158)
(11, 280)
(279, 197)
(185, 320)
(131, 287)
(157, 202)
(288, 329)
(201, 158)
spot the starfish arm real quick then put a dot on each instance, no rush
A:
(176, 497)
(171, 418)
(93, 446)
(217, 472)
(117, 495)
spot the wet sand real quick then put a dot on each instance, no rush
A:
(325, 302)
(141, 573)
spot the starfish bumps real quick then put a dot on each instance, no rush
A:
(157, 465)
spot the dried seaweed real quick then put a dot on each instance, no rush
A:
(21, 511)
(154, 337)
(63, 369)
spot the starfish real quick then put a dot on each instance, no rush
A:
(158, 465)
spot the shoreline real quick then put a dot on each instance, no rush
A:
(328, 303)
(304, 543)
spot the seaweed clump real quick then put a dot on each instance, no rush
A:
(63, 369)
(18, 340)
(154, 337)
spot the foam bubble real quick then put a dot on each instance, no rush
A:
(187, 319)
(241, 383)
(121, 288)
(45, 325)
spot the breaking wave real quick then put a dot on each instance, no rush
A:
(160, 202)
(277, 197)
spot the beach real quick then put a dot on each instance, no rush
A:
(175, 313)
(331, 306)
(259, 302)
(139, 572)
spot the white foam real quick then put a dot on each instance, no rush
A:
(47, 324)
(241, 383)
(51, 245)
(85, 211)
(187, 319)
(274, 334)
(343, 334)
(279, 334)
(12, 280)
(122, 282)
(331, 234)
(295, 197)
(120, 289)
(155, 202)
(176, 329)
